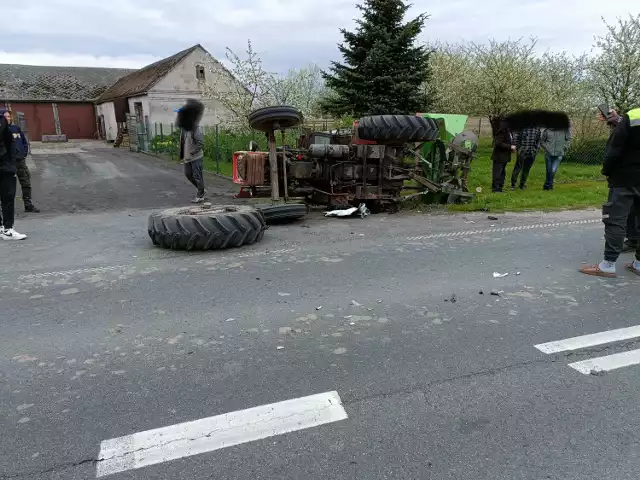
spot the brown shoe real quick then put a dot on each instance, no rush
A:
(631, 268)
(594, 270)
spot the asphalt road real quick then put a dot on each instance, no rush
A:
(104, 336)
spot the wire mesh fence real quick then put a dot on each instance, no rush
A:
(221, 143)
(589, 138)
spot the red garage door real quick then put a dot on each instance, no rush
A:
(39, 118)
(77, 120)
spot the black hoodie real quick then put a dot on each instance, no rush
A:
(7, 148)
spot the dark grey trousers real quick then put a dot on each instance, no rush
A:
(615, 214)
(194, 172)
(524, 162)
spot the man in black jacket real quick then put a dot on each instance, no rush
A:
(622, 169)
(22, 150)
(7, 183)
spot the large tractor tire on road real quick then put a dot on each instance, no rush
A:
(288, 212)
(397, 129)
(279, 117)
(201, 228)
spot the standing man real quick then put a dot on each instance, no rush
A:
(7, 183)
(22, 150)
(192, 145)
(527, 146)
(501, 155)
(633, 221)
(555, 144)
(622, 169)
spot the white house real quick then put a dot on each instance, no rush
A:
(153, 92)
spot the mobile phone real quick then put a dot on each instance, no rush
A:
(606, 111)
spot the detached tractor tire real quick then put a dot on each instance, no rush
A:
(398, 129)
(285, 213)
(275, 118)
(214, 228)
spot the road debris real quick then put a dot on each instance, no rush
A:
(499, 275)
(355, 304)
(362, 211)
(280, 347)
(319, 308)
(283, 294)
(230, 319)
(491, 217)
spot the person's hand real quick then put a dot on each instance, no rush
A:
(601, 117)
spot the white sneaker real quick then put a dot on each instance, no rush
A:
(198, 200)
(11, 234)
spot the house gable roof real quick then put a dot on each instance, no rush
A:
(32, 83)
(141, 81)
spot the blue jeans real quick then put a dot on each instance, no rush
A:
(552, 162)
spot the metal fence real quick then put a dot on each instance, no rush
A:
(219, 144)
(589, 138)
(587, 147)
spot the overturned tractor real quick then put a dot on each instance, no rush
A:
(380, 162)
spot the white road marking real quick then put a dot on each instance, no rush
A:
(72, 272)
(585, 341)
(208, 434)
(608, 363)
(467, 233)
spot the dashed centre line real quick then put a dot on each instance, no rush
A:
(466, 233)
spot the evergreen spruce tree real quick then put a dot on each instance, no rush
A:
(384, 69)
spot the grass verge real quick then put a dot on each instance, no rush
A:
(576, 186)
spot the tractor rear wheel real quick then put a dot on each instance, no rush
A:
(278, 117)
(215, 228)
(397, 129)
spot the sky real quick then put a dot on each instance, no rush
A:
(285, 33)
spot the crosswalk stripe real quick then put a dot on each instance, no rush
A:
(607, 363)
(213, 433)
(592, 340)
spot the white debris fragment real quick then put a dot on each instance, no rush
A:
(355, 304)
(280, 347)
(341, 213)
(518, 273)
(230, 319)
(319, 308)
(348, 316)
(283, 294)
(499, 275)
(362, 210)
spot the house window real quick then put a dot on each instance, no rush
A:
(199, 72)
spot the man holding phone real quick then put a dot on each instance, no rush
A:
(611, 118)
(622, 168)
